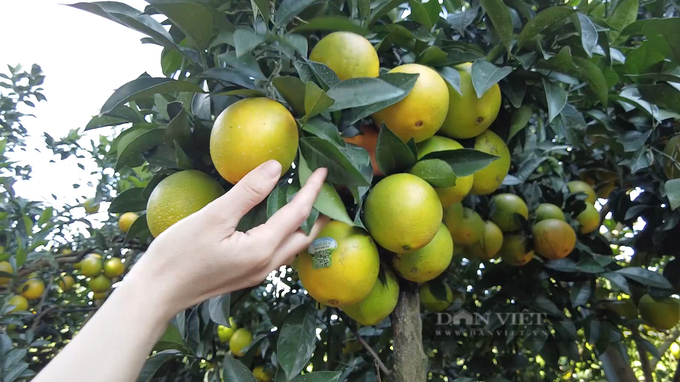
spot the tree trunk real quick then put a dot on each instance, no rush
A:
(614, 366)
(410, 361)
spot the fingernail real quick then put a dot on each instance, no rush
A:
(271, 168)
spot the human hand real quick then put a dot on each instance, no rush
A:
(203, 255)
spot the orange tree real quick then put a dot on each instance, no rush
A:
(539, 109)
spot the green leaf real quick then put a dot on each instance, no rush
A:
(645, 277)
(593, 75)
(328, 202)
(319, 376)
(663, 95)
(663, 35)
(464, 162)
(263, 7)
(276, 200)
(642, 58)
(293, 91)
(132, 155)
(235, 371)
(154, 362)
(361, 92)
(433, 56)
(229, 75)
(324, 129)
(485, 75)
(382, 9)
(587, 30)
(519, 120)
(452, 76)
(672, 188)
(316, 100)
(310, 70)
(219, 308)
(131, 200)
(191, 17)
(139, 229)
(419, 14)
(461, 20)
(500, 18)
(391, 153)
(332, 23)
(556, 98)
(436, 172)
(623, 15)
(144, 87)
(618, 281)
(297, 340)
(245, 40)
(546, 18)
(246, 64)
(633, 140)
(288, 9)
(404, 81)
(319, 152)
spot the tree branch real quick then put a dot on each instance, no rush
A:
(34, 266)
(368, 347)
(644, 358)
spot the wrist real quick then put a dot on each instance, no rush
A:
(148, 295)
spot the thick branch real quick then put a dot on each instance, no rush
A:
(615, 367)
(410, 361)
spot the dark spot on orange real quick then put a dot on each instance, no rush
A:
(333, 302)
(405, 247)
(414, 270)
(479, 120)
(419, 123)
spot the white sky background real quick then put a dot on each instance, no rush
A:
(85, 58)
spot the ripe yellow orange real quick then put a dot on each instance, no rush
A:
(468, 115)
(589, 219)
(32, 289)
(662, 314)
(225, 332)
(113, 267)
(91, 206)
(672, 150)
(66, 283)
(579, 186)
(675, 350)
(504, 210)
(100, 295)
(488, 179)
(241, 339)
(251, 132)
(125, 221)
(379, 303)
(99, 284)
(514, 250)
(426, 263)
(402, 213)
(348, 54)
(20, 303)
(178, 196)
(447, 195)
(91, 266)
(465, 225)
(422, 112)
(344, 267)
(488, 246)
(548, 211)
(554, 239)
(368, 140)
(6, 267)
(262, 375)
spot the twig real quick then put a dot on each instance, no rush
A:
(377, 371)
(61, 260)
(604, 211)
(368, 347)
(644, 359)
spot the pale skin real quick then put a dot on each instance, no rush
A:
(197, 258)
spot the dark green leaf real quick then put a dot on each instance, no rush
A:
(623, 15)
(328, 202)
(593, 75)
(672, 188)
(645, 277)
(321, 153)
(325, 75)
(297, 340)
(500, 18)
(404, 81)
(139, 230)
(245, 40)
(461, 20)
(546, 18)
(436, 172)
(235, 371)
(229, 75)
(319, 376)
(392, 154)
(246, 64)
(219, 307)
(663, 95)
(361, 92)
(651, 349)
(293, 91)
(633, 140)
(519, 120)
(288, 9)
(332, 23)
(324, 129)
(432, 56)
(191, 17)
(382, 9)
(419, 14)
(464, 162)
(588, 265)
(145, 87)
(131, 200)
(452, 76)
(275, 201)
(556, 97)
(263, 7)
(316, 100)
(562, 265)
(485, 75)
(132, 155)
(154, 362)
(587, 30)
(663, 35)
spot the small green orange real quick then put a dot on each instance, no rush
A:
(548, 211)
(579, 186)
(428, 262)
(504, 210)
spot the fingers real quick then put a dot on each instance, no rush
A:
(289, 218)
(297, 242)
(246, 194)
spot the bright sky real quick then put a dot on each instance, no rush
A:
(85, 58)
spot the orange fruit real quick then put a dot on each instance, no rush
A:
(91, 266)
(125, 221)
(20, 303)
(488, 179)
(368, 140)
(447, 195)
(66, 283)
(488, 246)
(554, 239)
(426, 263)
(589, 219)
(99, 284)
(32, 289)
(6, 267)
(113, 267)
(662, 314)
(579, 186)
(241, 339)
(514, 250)
(504, 210)
(548, 211)
(465, 225)
(348, 54)
(378, 304)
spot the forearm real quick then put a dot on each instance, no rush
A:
(115, 342)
